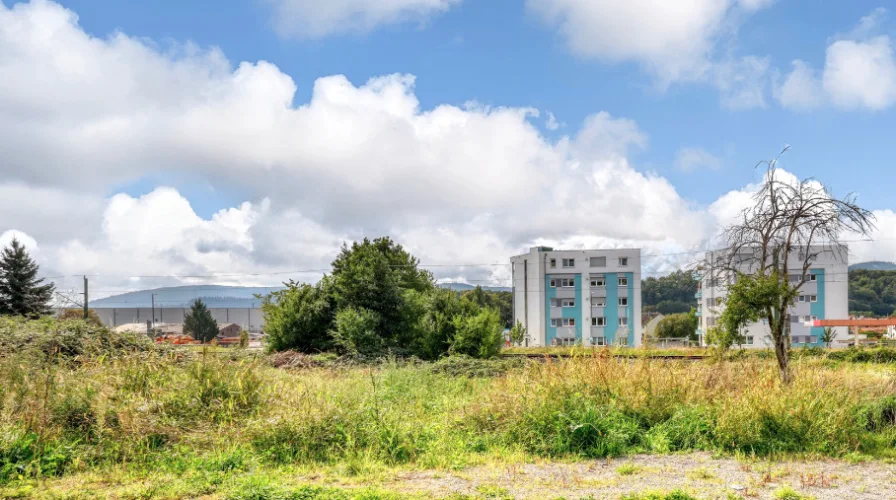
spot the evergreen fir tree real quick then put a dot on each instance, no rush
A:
(22, 293)
(199, 323)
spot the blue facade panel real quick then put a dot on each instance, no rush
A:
(565, 312)
(817, 308)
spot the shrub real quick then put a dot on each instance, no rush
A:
(298, 317)
(23, 454)
(479, 336)
(355, 333)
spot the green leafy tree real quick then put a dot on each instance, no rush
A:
(355, 333)
(722, 338)
(22, 293)
(299, 317)
(677, 326)
(498, 300)
(199, 322)
(375, 276)
(518, 333)
(437, 327)
(479, 335)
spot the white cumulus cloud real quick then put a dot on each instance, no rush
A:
(859, 73)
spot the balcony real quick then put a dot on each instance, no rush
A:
(699, 294)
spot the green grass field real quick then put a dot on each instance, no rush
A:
(139, 422)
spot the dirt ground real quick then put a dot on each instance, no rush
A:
(699, 475)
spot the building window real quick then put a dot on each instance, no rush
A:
(623, 261)
(555, 302)
(555, 321)
(599, 321)
(813, 298)
(794, 318)
(567, 282)
(568, 303)
(598, 282)
(710, 321)
(622, 341)
(569, 262)
(598, 302)
(569, 322)
(623, 321)
(598, 341)
(813, 339)
(623, 281)
(598, 262)
(813, 277)
(553, 283)
(802, 298)
(623, 301)
(553, 262)
(749, 340)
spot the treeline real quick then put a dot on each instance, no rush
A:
(872, 293)
(378, 302)
(673, 293)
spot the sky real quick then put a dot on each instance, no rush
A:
(167, 142)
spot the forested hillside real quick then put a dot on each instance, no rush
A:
(872, 292)
(673, 293)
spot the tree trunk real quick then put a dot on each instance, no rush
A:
(782, 355)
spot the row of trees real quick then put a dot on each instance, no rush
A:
(670, 294)
(379, 301)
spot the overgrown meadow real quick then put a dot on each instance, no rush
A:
(85, 412)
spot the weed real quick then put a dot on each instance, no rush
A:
(788, 493)
(628, 469)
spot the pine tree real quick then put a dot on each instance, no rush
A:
(22, 293)
(199, 323)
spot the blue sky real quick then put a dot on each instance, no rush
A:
(165, 137)
(499, 54)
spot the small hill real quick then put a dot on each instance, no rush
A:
(874, 265)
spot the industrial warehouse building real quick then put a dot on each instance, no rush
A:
(247, 318)
(825, 295)
(565, 297)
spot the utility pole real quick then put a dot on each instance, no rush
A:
(85, 297)
(153, 299)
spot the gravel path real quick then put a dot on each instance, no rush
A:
(698, 474)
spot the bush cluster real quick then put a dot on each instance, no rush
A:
(378, 303)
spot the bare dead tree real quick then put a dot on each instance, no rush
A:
(778, 238)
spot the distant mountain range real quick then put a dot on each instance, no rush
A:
(218, 296)
(182, 296)
(463, 287)
(874, 265)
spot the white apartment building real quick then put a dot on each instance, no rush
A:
(564, 297)
(824, 296)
